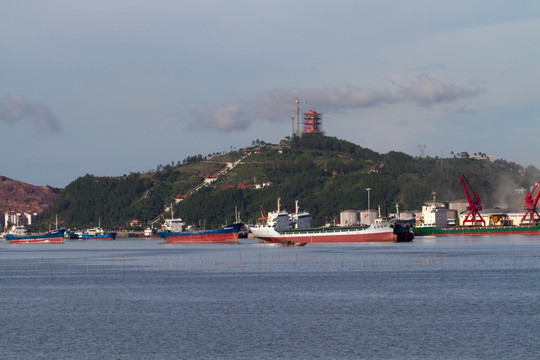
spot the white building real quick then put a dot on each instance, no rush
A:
(16, 218)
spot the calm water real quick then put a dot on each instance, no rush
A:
(435, 298)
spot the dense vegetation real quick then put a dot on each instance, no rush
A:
(325, 174)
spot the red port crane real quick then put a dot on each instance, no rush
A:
(475, 204)
(530, 206)
(264, 214)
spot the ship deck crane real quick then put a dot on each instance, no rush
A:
(264, 215)
(297, 102)
(475, 204)
(530, 206)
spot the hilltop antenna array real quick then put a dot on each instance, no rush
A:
(422, 150)
(297, 102)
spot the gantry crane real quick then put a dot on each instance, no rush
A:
(475, 204)
(297, 102)
(530, 206)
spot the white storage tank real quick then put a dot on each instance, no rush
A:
(349, 218)
(368, 217)
(459, 205)
(407, 215)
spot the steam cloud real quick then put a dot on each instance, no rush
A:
(16, 108)
(425, 91)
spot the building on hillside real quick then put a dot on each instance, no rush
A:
(17, 218)
(135, 222)
(208, 179)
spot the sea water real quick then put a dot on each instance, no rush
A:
(434, 298)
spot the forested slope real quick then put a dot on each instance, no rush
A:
(325, 174)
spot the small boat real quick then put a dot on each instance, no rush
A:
(286, 243)
(49, 237)
(74, 235)
(98, 234)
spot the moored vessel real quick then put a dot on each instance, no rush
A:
(98, 234)
(379, 232)
(173, 232)
(478, 230)
(50, 237)
(281, 227)
(226, 234)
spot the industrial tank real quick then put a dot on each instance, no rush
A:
(459, 205)
(368, 217)
(349, 218)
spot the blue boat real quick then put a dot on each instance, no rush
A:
(98, 234)
(226, 234)
(50, 237)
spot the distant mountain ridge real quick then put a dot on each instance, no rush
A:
(22, 197)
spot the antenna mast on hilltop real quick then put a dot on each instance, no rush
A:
(297, 102)
(422, 149)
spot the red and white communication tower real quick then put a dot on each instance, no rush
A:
(312, 122)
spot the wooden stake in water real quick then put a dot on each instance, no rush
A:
(50, 269)
(442, 271)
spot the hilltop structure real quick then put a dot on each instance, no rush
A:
(312, 122)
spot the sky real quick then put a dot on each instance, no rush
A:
(113, 87)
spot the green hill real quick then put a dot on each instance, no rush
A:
(325, 174)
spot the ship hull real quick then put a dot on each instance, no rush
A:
(106, 236)
(374, 233)
(53, 237)
(477, 230)
(226, 234)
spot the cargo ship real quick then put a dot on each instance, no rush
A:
(379, 232)
(50, 237)
(226, 234)
(434, 222)
(478, 230)
(173, 233)
(282, 227)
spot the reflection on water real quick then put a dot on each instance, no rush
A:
(434, 298)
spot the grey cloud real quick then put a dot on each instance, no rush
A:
(425, 91)
(429, 67)
(225, 118)
(16, 108)
(428, 91)
(338, 97)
